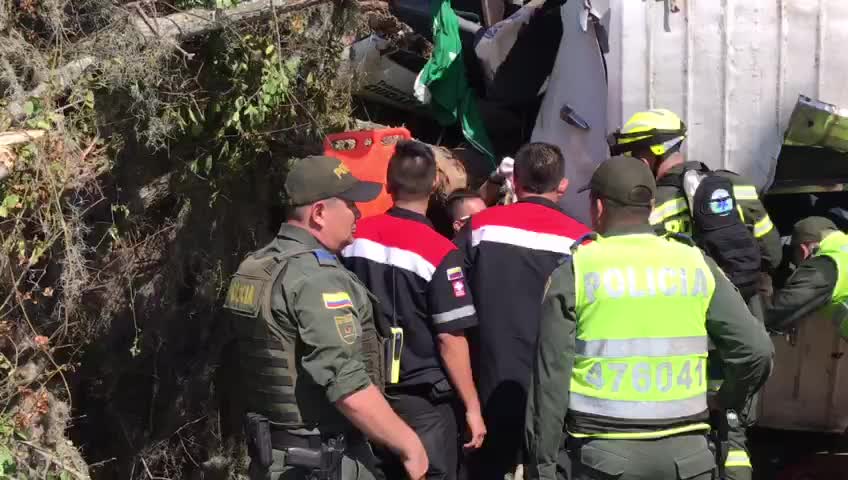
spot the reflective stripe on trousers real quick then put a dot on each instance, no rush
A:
(647, 435)
(737, 458)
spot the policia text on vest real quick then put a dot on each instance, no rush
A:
(650, 281)
(622, 356)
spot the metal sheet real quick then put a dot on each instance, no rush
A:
(733, 69)
(818, 124)
(822, 188)
(578, 82)
(808, 389)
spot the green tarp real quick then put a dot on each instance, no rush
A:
(443, 85)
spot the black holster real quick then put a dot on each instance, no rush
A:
(258, 432)
(322, 464)
(719, 437)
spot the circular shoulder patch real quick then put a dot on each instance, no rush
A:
(721, 202)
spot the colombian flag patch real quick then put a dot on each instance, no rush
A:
(337, 300)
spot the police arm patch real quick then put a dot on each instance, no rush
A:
(346, 326)
(336, 300)
(243, 296)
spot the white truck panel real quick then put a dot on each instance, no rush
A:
(732, 69)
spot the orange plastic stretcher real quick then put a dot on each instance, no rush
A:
(368, 159)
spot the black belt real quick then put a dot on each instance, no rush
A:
(438, 391)
(281, 439)
(417, 390)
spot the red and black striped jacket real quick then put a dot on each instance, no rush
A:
(418, 275)
(510, 252)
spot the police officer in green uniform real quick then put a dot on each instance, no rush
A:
(656, 137)
(820, 251)
(309, 355)
(622, 347)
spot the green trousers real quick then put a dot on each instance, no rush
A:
(736, 460)
(682, 457)
(358, 464)
(737, 463)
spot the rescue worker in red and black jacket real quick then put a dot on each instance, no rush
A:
(511, 251)
(418, 277)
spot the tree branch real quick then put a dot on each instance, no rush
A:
(173, 28)
(19, 136)
(199, 21)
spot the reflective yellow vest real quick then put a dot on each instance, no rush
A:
(641, 352)
(835, 246)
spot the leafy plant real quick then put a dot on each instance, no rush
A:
(8, 462)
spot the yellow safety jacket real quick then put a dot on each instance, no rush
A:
(835, 246)
(641, 352)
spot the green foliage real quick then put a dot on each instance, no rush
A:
(10, 465)
(263, 89)
(8, 462)
(261, 85)
(38, 117)
(10, 202)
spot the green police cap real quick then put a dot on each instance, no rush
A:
(625, 180)
(811, 229)
(318, 177)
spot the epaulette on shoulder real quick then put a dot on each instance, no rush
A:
(325, 258)
(584, 240)
(682, 238)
